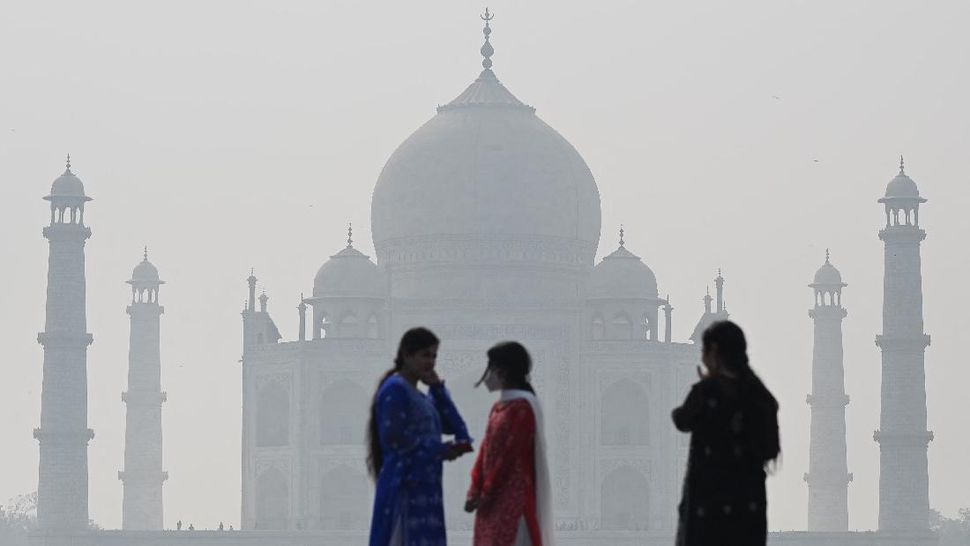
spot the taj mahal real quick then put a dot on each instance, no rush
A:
(486, 224)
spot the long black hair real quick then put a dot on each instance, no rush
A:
(412, 341)
(513, 361)
(732, 354)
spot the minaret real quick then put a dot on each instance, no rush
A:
(828, 476)
(302, 310)
(902, 435)
(668, 320)
(143, 476)
(249, 313)
(719, 284)
(62, 488)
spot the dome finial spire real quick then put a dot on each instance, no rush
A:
(827, 256)
(487, 49)
(145, 255)
(621, 235)
(350, 234)
(68, 162)
(901, 166)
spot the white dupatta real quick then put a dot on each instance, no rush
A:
(543, 484)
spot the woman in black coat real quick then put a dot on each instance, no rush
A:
(733, 421)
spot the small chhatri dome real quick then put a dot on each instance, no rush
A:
(68, 186)
(827, 275)
(622, 275)
(902, 186)
(145, 272)
(349, 274)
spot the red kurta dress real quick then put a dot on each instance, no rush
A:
(504, 476)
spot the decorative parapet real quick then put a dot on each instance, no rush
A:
(502, 251)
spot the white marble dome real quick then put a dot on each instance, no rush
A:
(350, 274)
(487, 168)
(902, 186)
(828, 275)
(622, 275)
(67, 187)
(145, 272)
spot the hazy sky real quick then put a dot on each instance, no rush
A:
(225, 135)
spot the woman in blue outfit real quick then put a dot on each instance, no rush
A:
(405, 447)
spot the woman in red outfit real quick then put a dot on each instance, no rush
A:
(510, 482)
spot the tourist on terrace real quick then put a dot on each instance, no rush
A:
(733, 421)
(510, 487)
(405, 449)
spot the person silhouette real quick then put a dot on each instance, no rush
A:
(733, 422)
(405, 447)
(178, 525)
(510, 489)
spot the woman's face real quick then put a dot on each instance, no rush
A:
(420, 363)
(709, 358)
(493, 380)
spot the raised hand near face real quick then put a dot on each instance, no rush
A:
(431, 378)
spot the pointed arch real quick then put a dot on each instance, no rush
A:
(349, 325)
(621, 327)
(625, 415)
(625, 497)
(598, 327)
(373, 329)
(646, 327)
(272, 416)
(272, 500)
(343, 490)
(343, 414)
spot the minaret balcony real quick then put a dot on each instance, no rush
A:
(149, 476)
(902, 234)
(828, 479)
(67, 232)
(64, 340)
(76, 436)
(144, 398)
(903, 439)
(825, 400)
(913, 343)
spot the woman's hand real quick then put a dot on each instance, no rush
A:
(430, 378)
(471, 504)
(453, 450)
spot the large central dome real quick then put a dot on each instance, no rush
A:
(486, 170)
